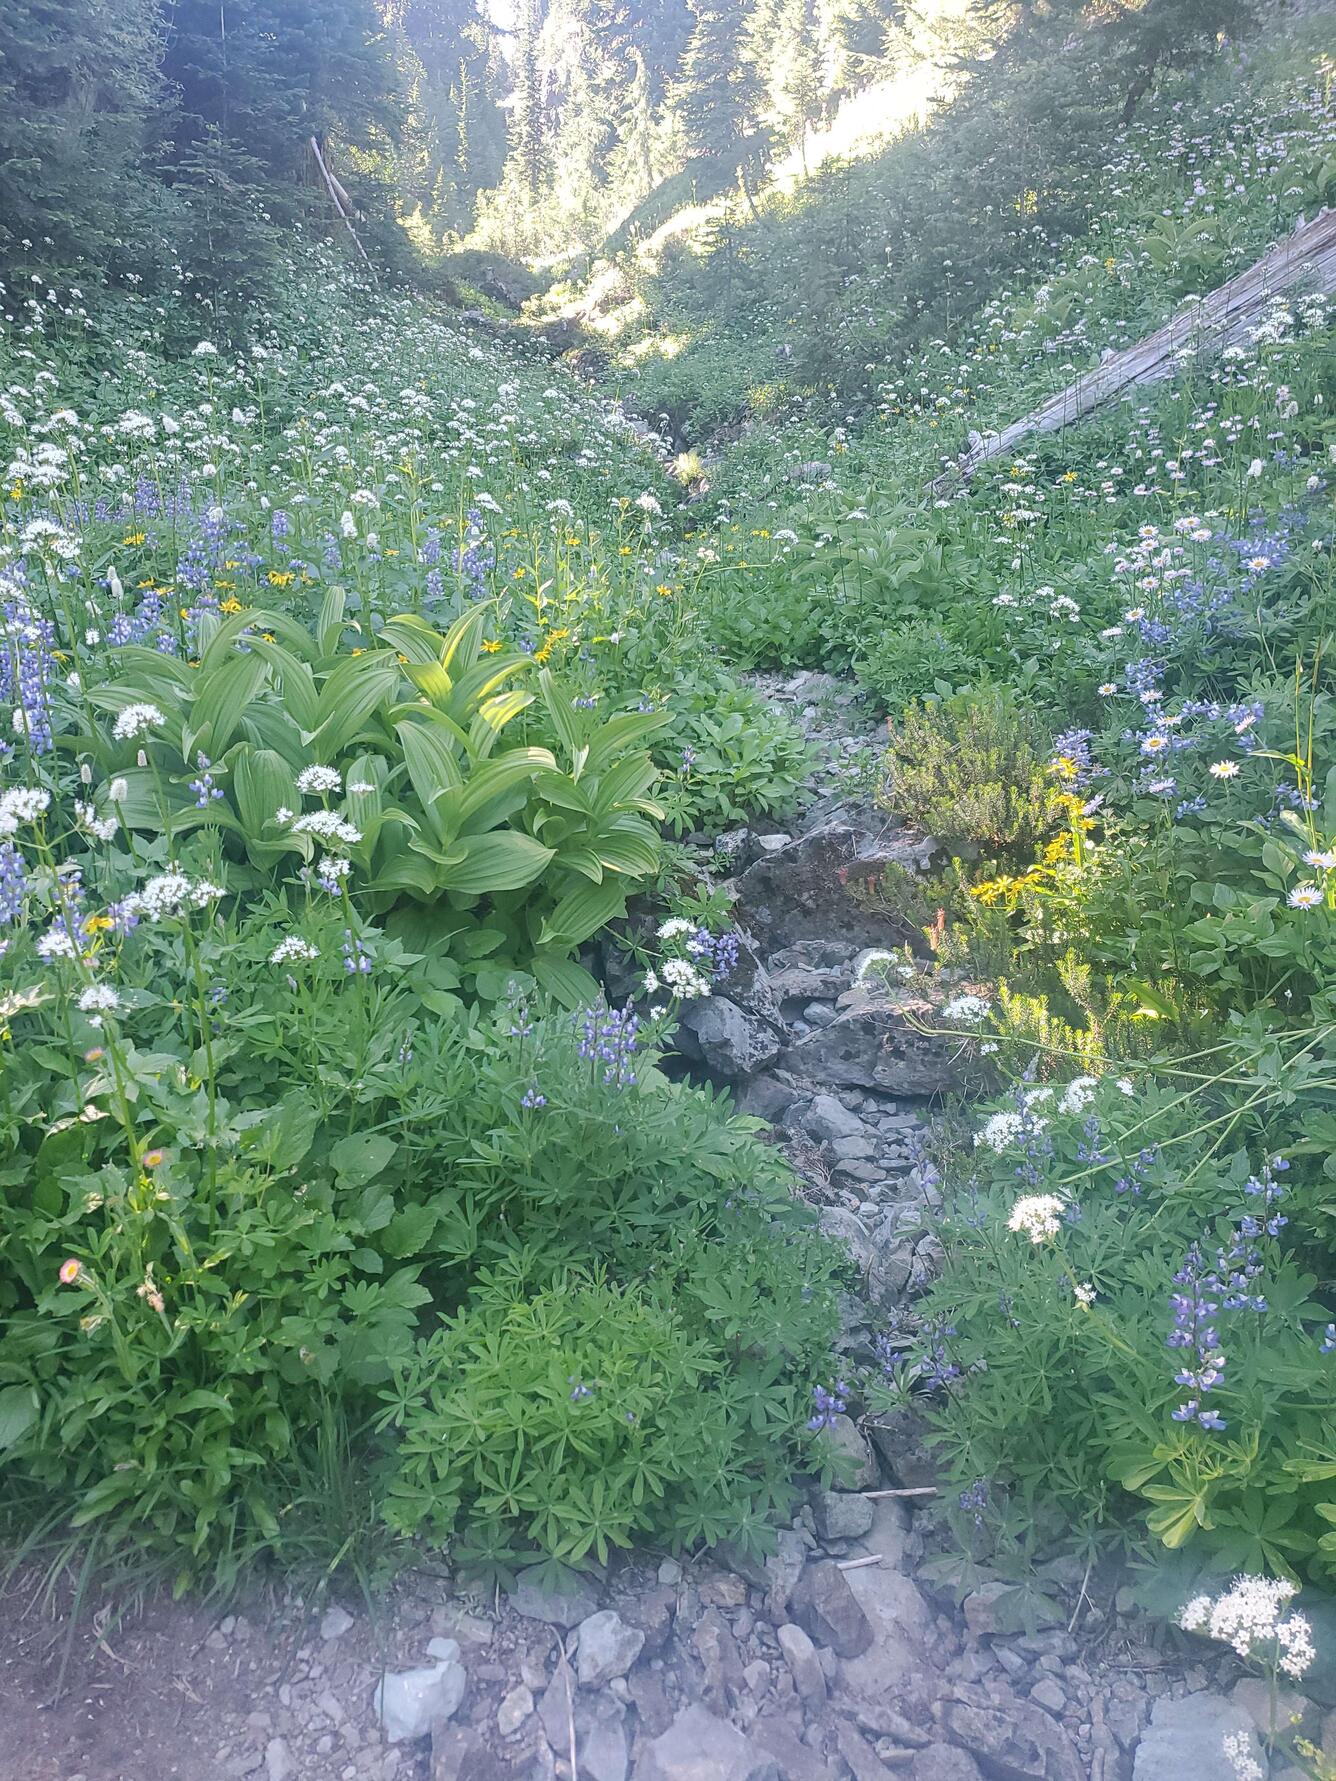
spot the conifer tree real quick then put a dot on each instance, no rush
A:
(77, 82)
(721, 96)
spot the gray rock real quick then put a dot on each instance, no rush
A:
(698, 1746)
(732, 1043)
(773, 843)
(826, 1608)
(607, 1647)
(900, 1436)
(997, 1606)
(804, 892)
(811, 971)
(1015, 1743)
(335, 1622)
(847, 1228)
(891, 1535)
(901, 1624)
(783, 1569)
(827, 1119)
(409, 1703)
(1049, 1696)
(278, 1763)
(601, 1752)
(818, 1014)
(840, 1514)
(514, 1710)
(873, 1045)
(567, 1606)
(1185, 1740)
(854, 1463)
(943, 1762)
(796, 1761)
(804, 1665)
(670, 1571)
(1295, 1716)
(764, 1097)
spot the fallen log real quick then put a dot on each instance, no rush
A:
(1226, 317)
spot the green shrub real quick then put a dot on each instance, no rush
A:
(971, 769)
(1126, 1325)
(580, 1417)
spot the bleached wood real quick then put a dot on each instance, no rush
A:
(1225, 318)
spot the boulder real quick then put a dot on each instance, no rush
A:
(812, 970)
(731, 1043)
(943, 1762)
(804, 1664)
(698, 1746)
(841, 1514)
(606, 1647)
(901, 1624)
(805, 892)
(1185, 1740)
(828, 1120)
(900, 1437)
(845, 1444)
(874, 1045)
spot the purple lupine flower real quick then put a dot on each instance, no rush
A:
(13, 882)
(829, 1405)
(206, 792)
(356, 957)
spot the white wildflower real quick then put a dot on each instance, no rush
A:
(319, 779)
(292, 949)
(137, 720)
(1037, 1216)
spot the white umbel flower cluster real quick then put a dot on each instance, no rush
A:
(1037, 1216)
(319, 779)
(137, 720)
(329, 826)
(19, 805)
(172, 893)
(1252, 1615)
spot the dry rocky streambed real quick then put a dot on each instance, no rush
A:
(846, 1656)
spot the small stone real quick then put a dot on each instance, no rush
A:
(565, 1606)
(841, 1515)
(606, 1647)
(729, 1591)
(825, 1607)
(698, 1746)
(334, 1622)
(804, 1665)
(1185, 1740)
(757, 1676)
(410, 1702)
(943, 1762)
(670, 1571)
(445, 1651)
(859, 1754)
(828, 1120)
(1049, 1696)
(278, 1763)
(514, 1710)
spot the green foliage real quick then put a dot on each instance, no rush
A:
(971, 769)
(432, 805)
(576, 1419)
(77, 83)
(1073, 1405)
